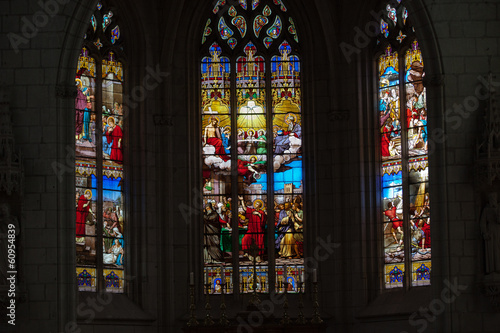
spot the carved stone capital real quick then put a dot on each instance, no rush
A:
(339, 115)
(490, 286)
(486, 172)
(65, 91)
(162, 120)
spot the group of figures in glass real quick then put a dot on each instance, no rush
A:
(89, 164)
(252, 207)
(243, 102)
(416, 113)
(85, 117)
(236, 135)
(99, 157)
(402, 107)
(252, 217)
(87, 157)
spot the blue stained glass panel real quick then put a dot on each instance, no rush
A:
(112, 183)
(392, 193)
(392, 180)
(293, 176)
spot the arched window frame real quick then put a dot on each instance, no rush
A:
(289, 34)
(102, 49)
(397, 35)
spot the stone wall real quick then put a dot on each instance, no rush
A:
(38, 53)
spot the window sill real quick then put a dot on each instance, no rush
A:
(396, 303)
(108, 308)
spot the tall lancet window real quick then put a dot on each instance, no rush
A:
(402, 109)
(99, 146)
(251, 148)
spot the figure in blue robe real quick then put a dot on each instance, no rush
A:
(106, 146)
(282, 143)
(226, 142)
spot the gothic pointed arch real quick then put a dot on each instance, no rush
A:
(251, 122)
(404, 151)
(100, 138)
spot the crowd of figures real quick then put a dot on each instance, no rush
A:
(87, 143)
(420, 229)
(217, 139)
(415, 117)
(252, 223)
(113, 237)
(112, 228)
(85, 125)
(254, 214)
(289, 222)
(250, 141)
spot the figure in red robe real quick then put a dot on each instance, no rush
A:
(397, 224)
(248, 169)
(114, 135)
(82, 211)
(213, 137)
(409, 115)
(256, 228)
(391, 214)
(386, 140)
(426, 228)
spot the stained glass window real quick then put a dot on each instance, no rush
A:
(251, 122)
(99, 176)
(402, 109)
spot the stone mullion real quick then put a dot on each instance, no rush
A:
(234, 180)
(405, 173)
(271, 257)
(99, 175)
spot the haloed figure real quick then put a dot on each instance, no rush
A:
(114, 136)
(83, 209)
(213, 137)
(256, 225)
